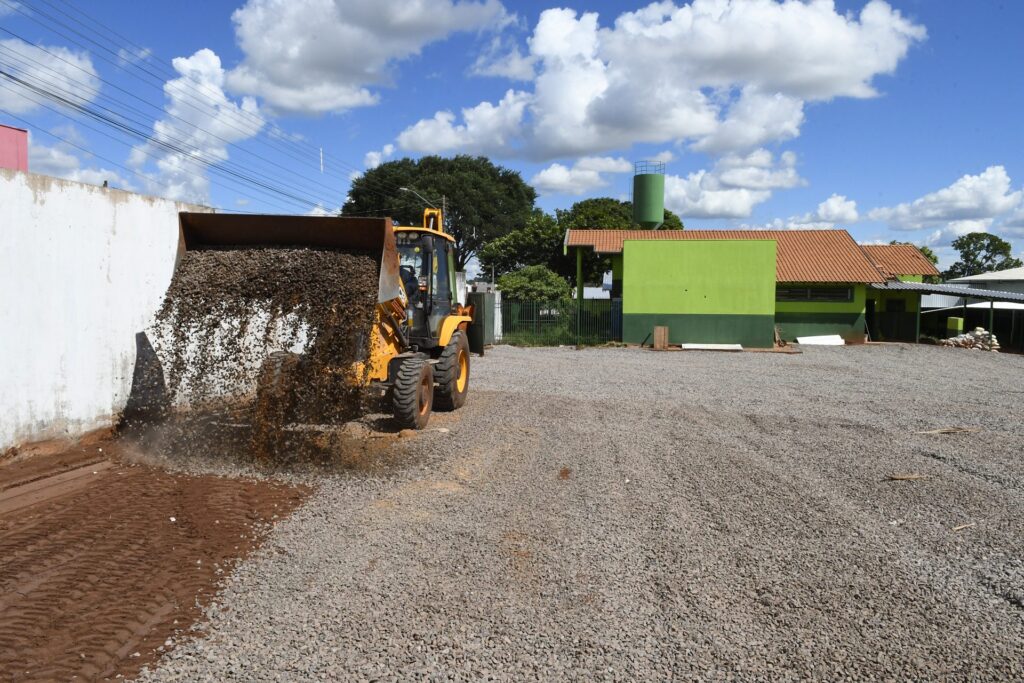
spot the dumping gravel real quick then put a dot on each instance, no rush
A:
(618, 514)
(224, 333)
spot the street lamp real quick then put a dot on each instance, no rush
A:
(425, 201)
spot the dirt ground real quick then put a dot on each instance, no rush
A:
(104, 563)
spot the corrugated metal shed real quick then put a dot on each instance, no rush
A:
(802, 255)
(953, 290)
(899, 259)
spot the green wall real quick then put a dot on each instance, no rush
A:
(890, 323)
(704, 291)
(812, 318)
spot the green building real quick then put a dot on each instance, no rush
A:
(741, 286)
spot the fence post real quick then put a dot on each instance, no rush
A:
(579, 311)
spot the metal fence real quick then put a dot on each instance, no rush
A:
(535, 323)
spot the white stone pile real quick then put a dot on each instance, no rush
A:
(979, 339)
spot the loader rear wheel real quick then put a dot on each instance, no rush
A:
(413, 393)
(452, 374)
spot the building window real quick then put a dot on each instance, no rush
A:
(814, 294)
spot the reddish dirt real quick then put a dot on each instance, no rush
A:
(94, 575)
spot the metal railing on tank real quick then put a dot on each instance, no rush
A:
(645, 167)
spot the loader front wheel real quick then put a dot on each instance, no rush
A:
(413, 393)
(452, 374)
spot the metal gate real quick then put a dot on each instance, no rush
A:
(535, 323)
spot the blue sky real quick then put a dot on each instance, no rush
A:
(896, 120)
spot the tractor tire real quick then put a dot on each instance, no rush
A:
(413, 393)
(451, 372)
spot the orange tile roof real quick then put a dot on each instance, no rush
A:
(899, 259)
(801, 255)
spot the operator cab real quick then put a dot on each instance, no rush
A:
(427, 269)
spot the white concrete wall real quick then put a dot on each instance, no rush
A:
(82, 270)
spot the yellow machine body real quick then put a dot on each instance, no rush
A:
(375, 236)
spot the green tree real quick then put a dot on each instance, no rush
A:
(606, 213)
(533, 283)
(981, 252)
(927, 252)
(484, 201)
(537, 243)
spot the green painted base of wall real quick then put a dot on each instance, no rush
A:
(753, 331)
(849, 326)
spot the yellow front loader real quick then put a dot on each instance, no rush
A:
(418, 347)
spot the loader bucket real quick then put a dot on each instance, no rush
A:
(255, 231)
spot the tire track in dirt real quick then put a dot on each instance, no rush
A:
(94, 579)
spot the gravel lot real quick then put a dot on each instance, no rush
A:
(619, 514)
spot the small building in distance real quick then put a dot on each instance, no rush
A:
(740, 286)
(13, 148)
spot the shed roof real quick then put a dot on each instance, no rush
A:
(801, 255)
(954, 290)
(899, 259)
(1008, 275)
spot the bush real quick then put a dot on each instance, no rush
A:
(533, 283)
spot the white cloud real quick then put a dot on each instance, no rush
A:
(584, 176)
(9, 7)
(836, 209)
(201, 132)
(1014, 224)
(755, 119)
(972, 200)
(664, 156)
(504, 60)
(133, 56)
(736, 184)
(487, 129)
(722, 75)
(758, 171)
(69, 73)
(61, 160)
(317, 56)
(373, 159)
(700, 195)
(945, 235)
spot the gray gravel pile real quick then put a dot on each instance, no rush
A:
(628, 515)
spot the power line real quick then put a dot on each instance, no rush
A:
(103, 118)
(172, 138)
(95, 93)
(105, 134)
(168, 69)
(185, 87)
(102, 158)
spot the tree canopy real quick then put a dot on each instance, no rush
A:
(539, 241)
(533, 283)
(981, 252)
(484, 201)
(608, 214)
